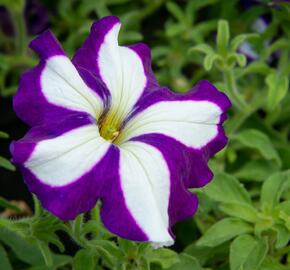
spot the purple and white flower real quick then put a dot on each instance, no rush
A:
(103, 128)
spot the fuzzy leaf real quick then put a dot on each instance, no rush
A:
(272, 264)
(236, 58)
(278, 86)
(238, 40)
(223, 231)
(243, 211)
(256, 170)
(164, 257)
(176, 11)
(257, 140)
(187, 262)
(227, 189)
(283, 236)
(273, 188)
(4, 260)
(203, 48)
(22, 248)
(4, 135)
(5, 163)
(209, 61)
(223, 36)
(83, 260)
(247, 253)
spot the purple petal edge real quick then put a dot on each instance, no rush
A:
(101, 182)
(188, 166)
(29, 103)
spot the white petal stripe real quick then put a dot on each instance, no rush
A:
(62, 160)
(62, 85)
(122, 71)
(193, 123)
(145, 181)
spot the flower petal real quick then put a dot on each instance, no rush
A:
(59, 157)
(188, 119)
(181, 142)
(145, 182)
(181, 165)
(124, 70)
(55, 87)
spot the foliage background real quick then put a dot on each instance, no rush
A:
(243, 221)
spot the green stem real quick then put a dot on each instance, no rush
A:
(232, 90)
(19, 32)
(37, 207)
(77, 225)
(282, 251)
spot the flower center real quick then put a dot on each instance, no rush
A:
(109, 127)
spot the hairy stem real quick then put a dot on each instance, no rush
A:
(232, 90)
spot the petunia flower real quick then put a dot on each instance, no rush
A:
(103, 128)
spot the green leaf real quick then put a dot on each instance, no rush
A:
(84, 260)
(255, 67)
(247, 253)
(174, 30)
(108, 250)
(203, 48)
(223, 36)
(58, 262)
(164, 257)
(186, 262)
(278, 86)
(46, 253)
(238, 40)
(16, 5)
(5, 163)
(260, 141)
(284, 207)
(131, 36)
(243, 211)
(279, 44)
(204, 254)
(4, 260)
(283, 236)
(256, 170)
(22, 248)
(4, 135)
(273, 188)
(209, 61)
(5, 204)
(193, 6)
(272, 264)
(126, 245)
(236, 58)
(227, 189)
(176, 11)
(223, 231)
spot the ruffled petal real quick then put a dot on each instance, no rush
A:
(55, 87)
(148, 195)
(126, 71)
(181, 165)
(60, 161)
(193, 122)
(187, 128)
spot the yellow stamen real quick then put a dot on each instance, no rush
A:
(109, 127)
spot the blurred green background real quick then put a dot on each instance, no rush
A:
(243, 47)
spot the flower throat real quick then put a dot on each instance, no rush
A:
(109, 126)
